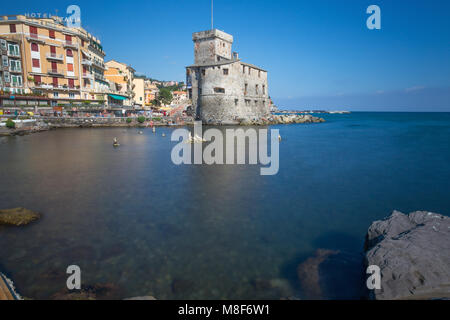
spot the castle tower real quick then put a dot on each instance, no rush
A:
(212, 46)
(224, 89)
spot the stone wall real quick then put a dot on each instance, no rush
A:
(224, 97)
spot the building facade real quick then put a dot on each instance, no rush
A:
(150, 92)
(120, 76)
(222, 87)
(179, 97)
(139, 90)
(11, 72)
(64, 64)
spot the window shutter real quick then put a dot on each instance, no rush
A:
(36, 63)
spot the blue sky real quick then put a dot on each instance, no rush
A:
(319, 54)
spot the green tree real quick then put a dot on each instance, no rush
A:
(141, 119)
(10, 124)
(164, 96)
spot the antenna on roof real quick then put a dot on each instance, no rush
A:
(212, 14)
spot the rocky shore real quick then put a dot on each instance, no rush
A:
(41, 125)
(413, 253)
(282, 119)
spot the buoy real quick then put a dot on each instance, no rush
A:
(140, 132)
(163, 134)
(154, 129)
(279, 138)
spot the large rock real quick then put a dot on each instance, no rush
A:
(17, 216)
(413, 253)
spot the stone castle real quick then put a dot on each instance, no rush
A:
(224, 89)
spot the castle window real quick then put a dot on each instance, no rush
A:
(218, 58)
(203, 72)
(236, 102)
(264, 89)
(245, 89)
(249, 70)
(243, 69)
(219, 90)
(51, 34)
(256, 102)
(257, 89)
(247, 102)
(259, 74)
(225, 72)
(12, 28)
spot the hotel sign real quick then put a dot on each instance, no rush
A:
(73, 20)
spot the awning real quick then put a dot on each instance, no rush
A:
(114, 96)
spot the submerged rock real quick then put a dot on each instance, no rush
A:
(17, 216)
(142, 298)
(105, 291)
(181, 286)
(413, 253)
(308, 273)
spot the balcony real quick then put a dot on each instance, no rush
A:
(41, 86)
(55, 72)
(15, 69)
(54, 56)
(99, 77)
(86, 62)
(15, 54)
(70, 44)
(99, 64)
(87, 76)
(46, 86)
(35, 38)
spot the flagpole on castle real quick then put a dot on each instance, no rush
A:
(212, 14)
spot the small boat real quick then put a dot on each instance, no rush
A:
(115, 143)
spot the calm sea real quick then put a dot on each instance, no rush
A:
(130, 218)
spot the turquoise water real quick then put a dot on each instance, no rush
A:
(128, 216)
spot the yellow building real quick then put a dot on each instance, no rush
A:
(65, 64)
(120, 77)
(139, 90)
(150, 92)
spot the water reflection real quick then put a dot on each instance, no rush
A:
(130, 218)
